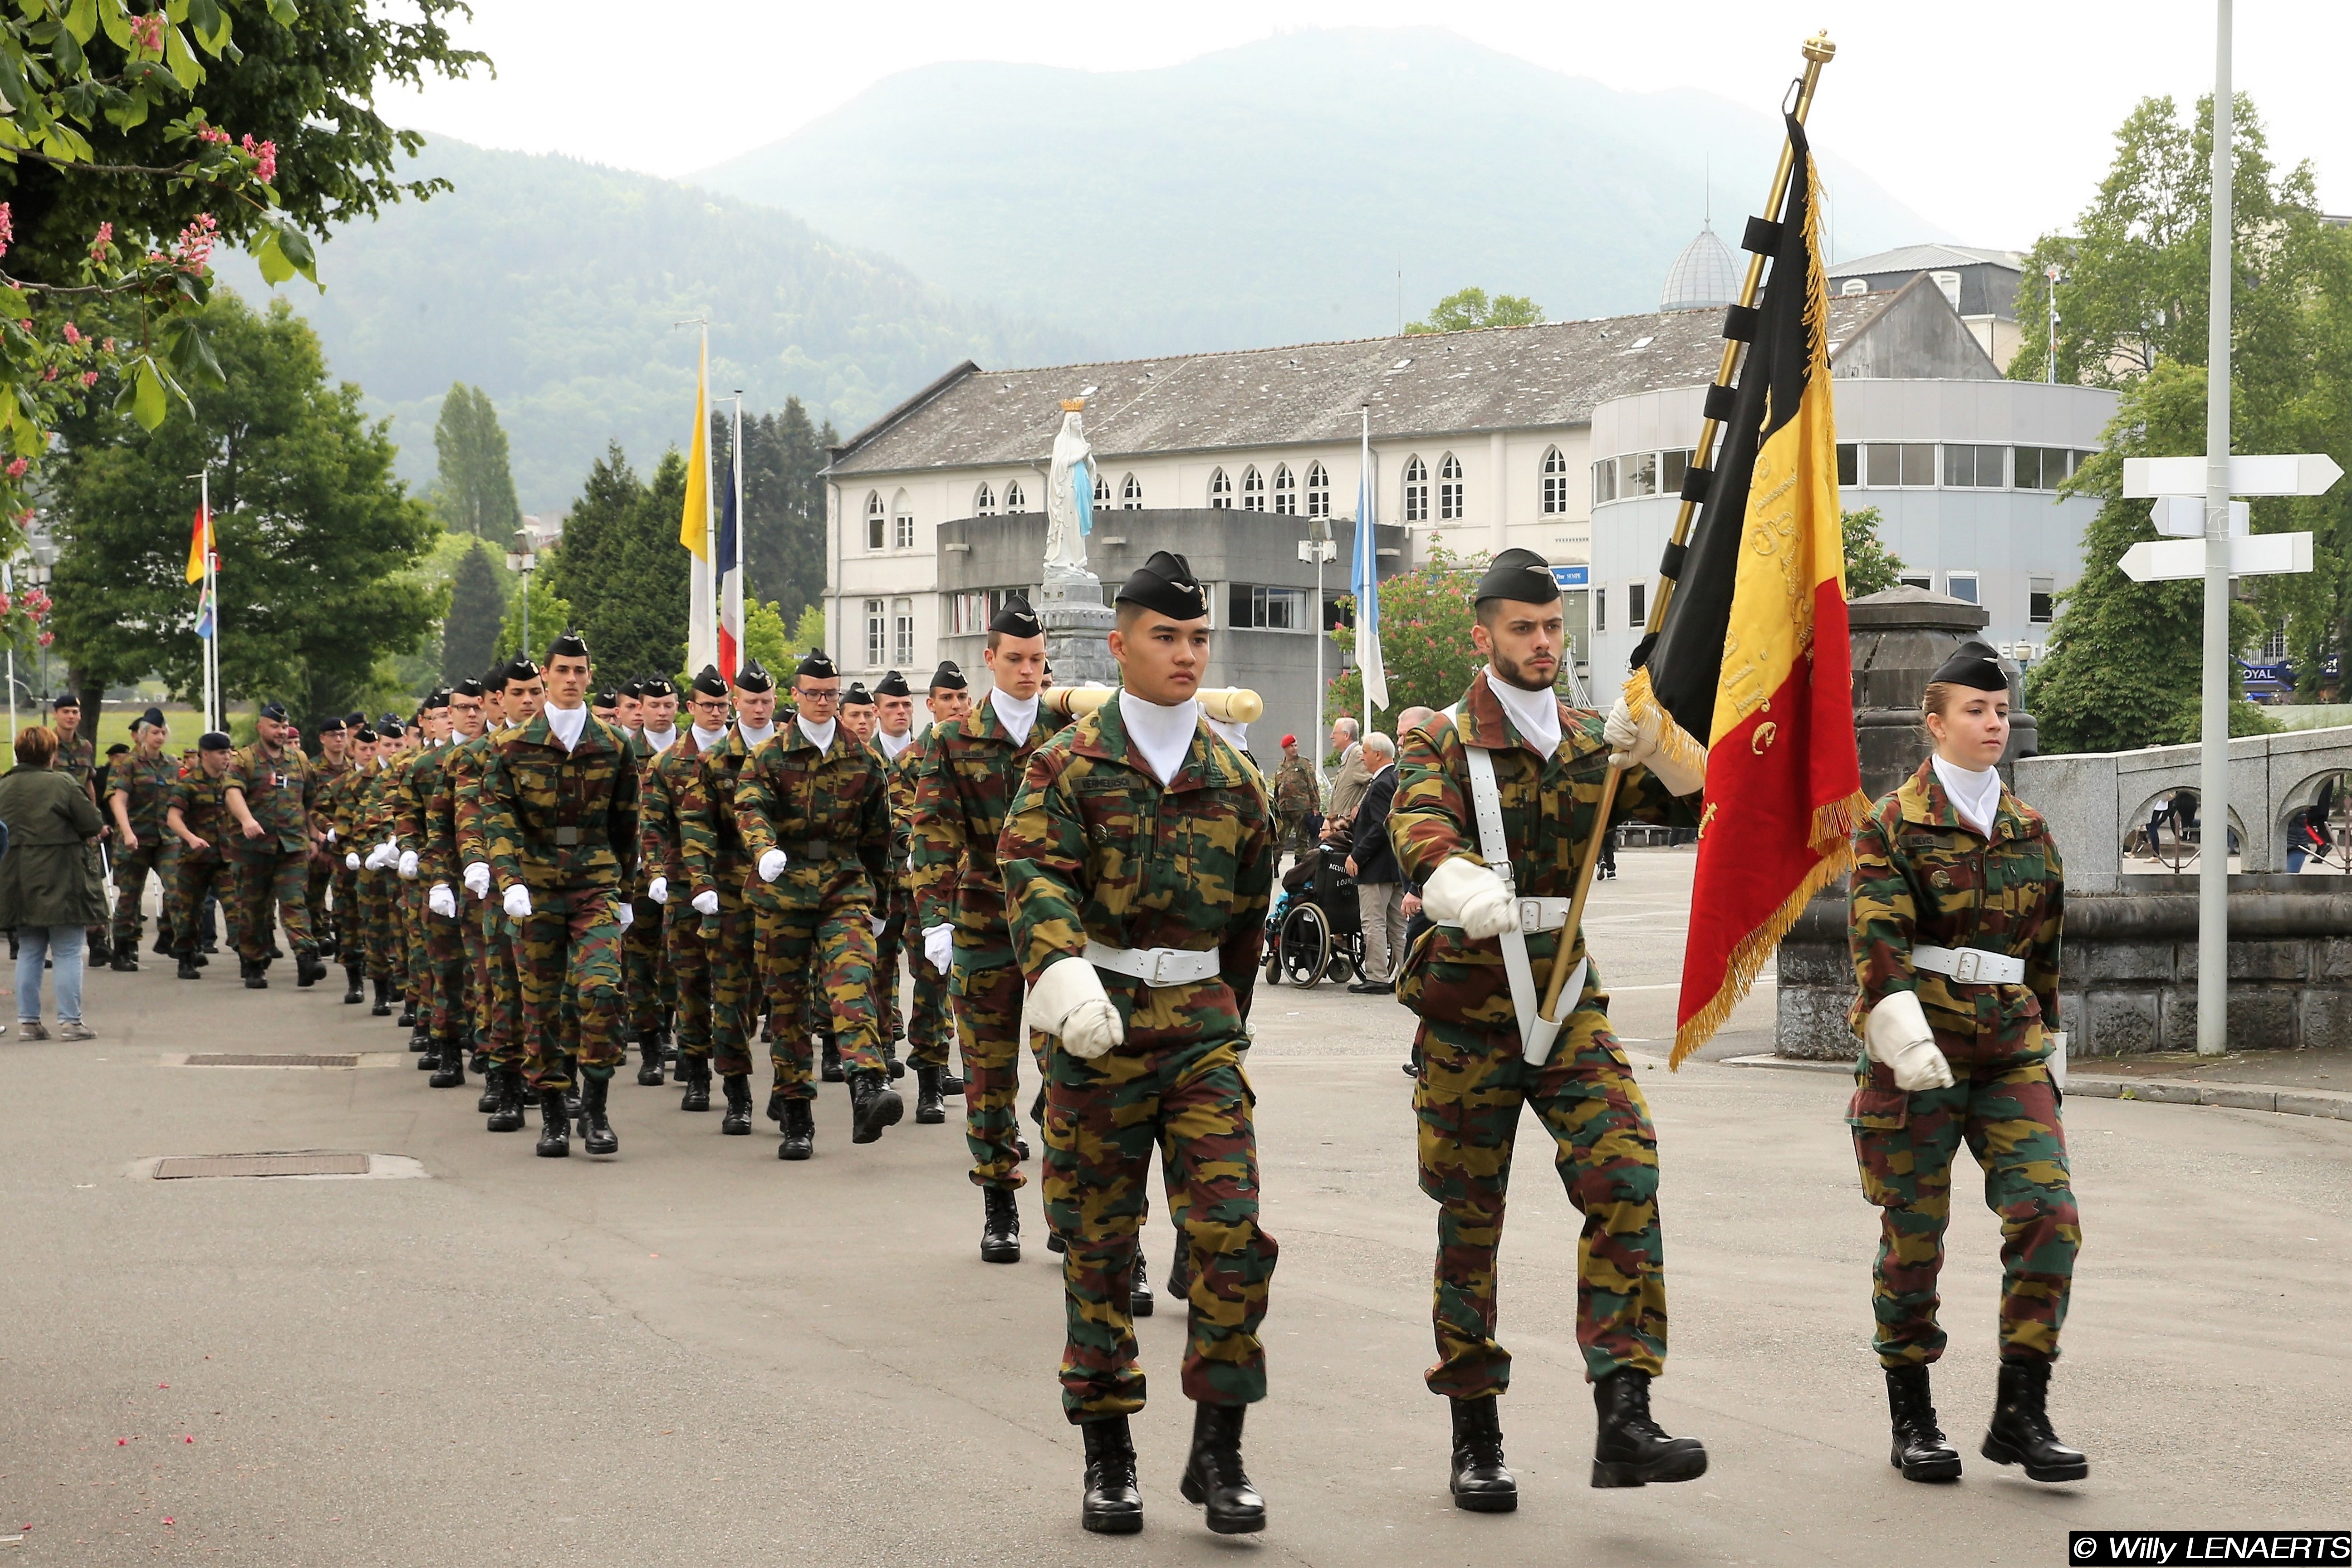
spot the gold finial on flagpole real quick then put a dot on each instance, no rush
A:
(1074, 404)
(1819, 47)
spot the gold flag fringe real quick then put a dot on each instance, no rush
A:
(1748, 959)
(1642, 701)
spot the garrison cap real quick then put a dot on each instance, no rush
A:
(468, 687)
(390, 728)
(1972, 665)
(754, 676)
(655, 685)
(892, 685)
(1017, 620)
(334, 724)
(948, 677)
(116, 749)
(568, 645)
(608, 698)
(816, 666)
(1521, 575)
(437, 697)
(364, 735)
(709, 682)
(1166, 583)
(857, 696)
(154, 716)
(635, 687)
(274, 711)
(213, 740)
(523, 668)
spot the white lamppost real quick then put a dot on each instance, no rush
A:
(2054, 274)
(523, 559)
(1320, 548)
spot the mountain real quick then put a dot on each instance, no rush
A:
(553, 284)
(1271, 193)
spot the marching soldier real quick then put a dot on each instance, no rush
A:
(931, 1026)
(651, 994)
(861, 718)
(333, 812)
(924, 1027)
(433, 827)
(1296, 796)
(1139, 861)
(436, 955)
(970, 770)
(269, 796)
(333, 765)
(814, 812)
(1958, 904)
(560, 808)
(717, 869)
(629, 712)
(197, 815)
(1473, 980)
(522, 692)
(672, 792)
(657, 705)
(138, 789)
(379, 881)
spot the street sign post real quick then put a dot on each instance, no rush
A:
(2255, 555)
(2285, 474)
(2183, 517)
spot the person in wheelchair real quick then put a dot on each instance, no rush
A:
(1313, 931)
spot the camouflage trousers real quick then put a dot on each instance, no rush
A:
(568, 959)
(1191, 1101)
(930, 1030)
(651, 995)
(988, 1032)
(321, 878)
(387, 954)
(687, 962)
(732, 940)
(1471, 1083)
(442, 1005)
(350, 930)
(820, 958)
(274, 888)
(423, 977)
(2007, 1113)
(194, 876)
(130, 872)
(496, 992)
(889, 946)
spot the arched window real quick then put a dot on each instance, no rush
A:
(1131, 494)
(983, 503)
(1285, 491)
(1221, 490)
(878, 521)
(1253, 490)
(1102, 491)
(1554, 482)
(1014, 500)
(1450, 507)
(1319, 491)
(902, 519)
(1416, 489)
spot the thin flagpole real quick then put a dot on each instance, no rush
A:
(709, 501)
(1371, 575)
(212, 595)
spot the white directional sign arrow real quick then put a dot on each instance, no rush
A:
(2256, 556)
(2183, 517)
(2293, 474)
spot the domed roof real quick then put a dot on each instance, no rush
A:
(1702, 277)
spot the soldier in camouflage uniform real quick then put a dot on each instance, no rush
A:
(1137, 860)
(560, 808)
(380, 875)
(812, 811)
(673, 794)
(1956, 906)
(137, 788)
(1549, 765)
(196, 814)
(970, 770)
(652, 704)
(269, 796)
(430, 822)
(1296, 796)
(333, 810)
(437, 954)
(717, 869)
(520, 693)
(332, 766)
(926, 1027)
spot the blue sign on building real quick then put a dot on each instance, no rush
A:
(1572, 576)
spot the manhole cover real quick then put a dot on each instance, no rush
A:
(182, 1167)
(264, 1059)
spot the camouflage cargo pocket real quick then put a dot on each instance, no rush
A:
(1878, 1110)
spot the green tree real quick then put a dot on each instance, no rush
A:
(318, 541)
(478, 609)
(550, 613)
(766, 639)
(783, 504)
(809, 632)
(621, 568)
(1466, 308)
(1870, 566)
(476, 490)
(1425, 649)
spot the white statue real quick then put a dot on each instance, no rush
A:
(1070, 491)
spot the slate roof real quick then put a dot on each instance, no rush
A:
(1925, 259)
(1444, 383)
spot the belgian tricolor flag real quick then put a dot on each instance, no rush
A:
(1753, 652)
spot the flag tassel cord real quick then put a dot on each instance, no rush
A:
(1818, 52)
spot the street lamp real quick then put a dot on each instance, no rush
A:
(1318, 548)
(2055, 273)
(522, 558)
(43, 547)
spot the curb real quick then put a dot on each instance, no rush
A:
(2327, 1104)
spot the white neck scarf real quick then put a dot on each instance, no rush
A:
(566, 724)
(753, 739)
(894, 744)
(1975, 795)
(819, 735)
(1160, 736)
(662, 739)
(1018, 717)
(706, 739)
(1535, 714)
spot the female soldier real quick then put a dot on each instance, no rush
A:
(1955, 930)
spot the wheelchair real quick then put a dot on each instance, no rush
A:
(1312, 933)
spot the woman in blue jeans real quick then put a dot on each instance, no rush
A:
(51, 890)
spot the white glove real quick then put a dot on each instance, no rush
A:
(441, 901)
(1898, 1038)
(330, 836)
(391, 847)
(772, 865)
(1068, 1001)
(1657, 742)
(2057, 1064)
(875, 925)
(657, 890)
(705, 903)
(408, 865)
(352, 859)
(627, 912)
(478, 879)
(516, 903)
(374, 861)
(1462, 892)
(938, 945)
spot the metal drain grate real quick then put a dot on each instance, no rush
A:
(181, 1168)
(265, 1059)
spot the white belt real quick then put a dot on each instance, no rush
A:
(1536, 915)
(1157, 966)
(1971, 965)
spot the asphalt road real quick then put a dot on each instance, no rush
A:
(693, 1352)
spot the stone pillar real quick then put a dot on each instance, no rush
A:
(1899, 638)
(1077, 627)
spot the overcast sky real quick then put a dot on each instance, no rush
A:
(1995, 122)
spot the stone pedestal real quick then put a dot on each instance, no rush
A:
(1899, 638)
(1077, 627)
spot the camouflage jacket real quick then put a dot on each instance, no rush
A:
(791, 795)
(79, 757)
(1920, 875)
(372, 801)
(454, 836)
(277, 793)
(203, 804)
(557, 819)
(326, 784)
(412, 797)
(670, 780)
(1296, 793)
(963, 789)
(1093, 846)
(709, 842)
(1549, 807)
(146, 789)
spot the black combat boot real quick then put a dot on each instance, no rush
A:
(383, 1008)
(328, 946)
(309, 970)
(1179, 1269)
(831, 1069)
(1114, 1500)
(188, 970)
(649, 1060)
(898, 1069)
(873, 1105)
(162, 948)
(695, 1073)
(481, 1061)
(800, 1131)
(736, 1123)
(1481, 1483)
(1139, 1285)
(100, 954)
(1631, 1450)
(407, 1019)
(452, 1072)
(596, 1134)
(1213, 1475)
(1919, 1450)
(507, 1117)
(950, 1084)
(554, 1126)
(253, 979)
(429, 1049)
(928, 1112)
(353, 984)
(489, 1101)
(2021, 1433)
(125, 960)
(1000, 1226)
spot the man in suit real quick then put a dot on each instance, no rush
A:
(1380, 896)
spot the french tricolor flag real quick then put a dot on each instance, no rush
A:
(729, 565)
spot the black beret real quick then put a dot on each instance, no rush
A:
(495, 679)
(153, 716)
(364, 735)
(65, 700)
(635, 688)
(753, 677)
(274, 711)
(1166, 583)
(857, 696)
(213, 740)
(816, 666)
(523, 668)
(334, 725)
(1017, 620)
(892, 685)
(608, 698)
(390, 729)
(1972, 665)
(437, 697)
(468, 687)
(709, 682)
(1521, 575)
(118, 749)
(948, 677)
(355, 717)
(570, 645)
(655, 685)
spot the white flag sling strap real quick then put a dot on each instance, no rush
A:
(1538, 1036)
